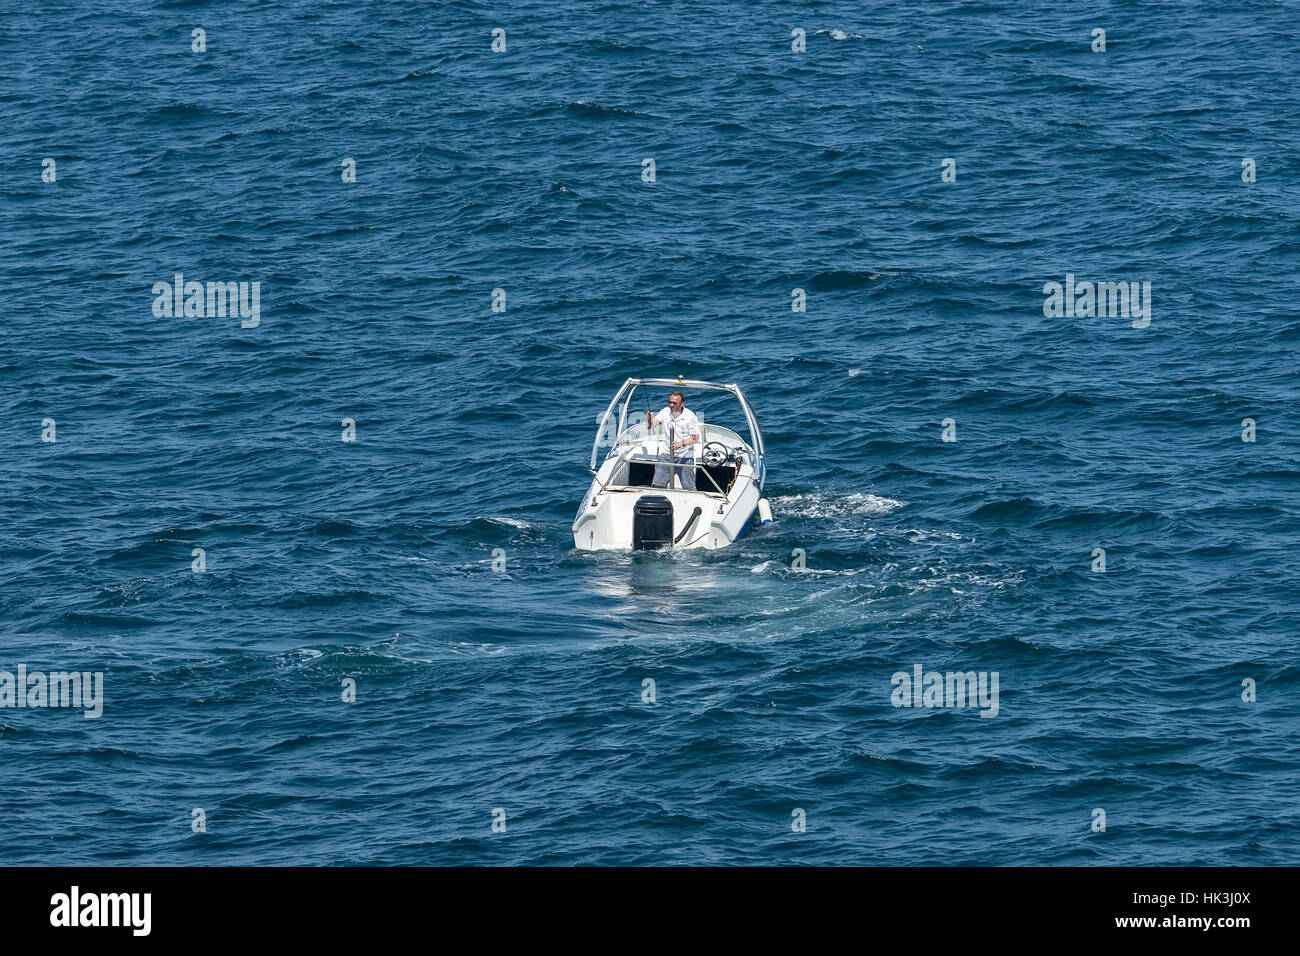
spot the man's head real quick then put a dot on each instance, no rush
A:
(676, 401)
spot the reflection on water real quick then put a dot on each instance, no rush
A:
(651, 578)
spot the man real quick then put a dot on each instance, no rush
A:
(683, 430)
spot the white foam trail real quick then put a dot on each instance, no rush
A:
(519, 523)
(821, 505)
(774, 566)
(919, 535)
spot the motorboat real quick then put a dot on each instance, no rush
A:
(622, 508)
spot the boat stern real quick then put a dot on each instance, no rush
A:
(646, 520)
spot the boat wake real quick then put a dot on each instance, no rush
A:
(821, 505)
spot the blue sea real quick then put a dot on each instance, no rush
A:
(947, 451)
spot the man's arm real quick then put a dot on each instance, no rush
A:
(693, 437)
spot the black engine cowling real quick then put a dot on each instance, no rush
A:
(652, 523)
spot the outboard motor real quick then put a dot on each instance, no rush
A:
(652, 523)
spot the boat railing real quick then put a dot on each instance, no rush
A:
(609, 433)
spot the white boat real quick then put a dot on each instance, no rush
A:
(623, 510)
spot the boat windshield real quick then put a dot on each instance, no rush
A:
(721, 409)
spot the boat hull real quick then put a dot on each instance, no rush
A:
(605, 521)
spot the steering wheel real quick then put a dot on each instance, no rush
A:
(715, 453)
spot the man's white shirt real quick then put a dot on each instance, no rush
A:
(684, 426)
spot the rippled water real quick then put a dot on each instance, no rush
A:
(522, 689)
